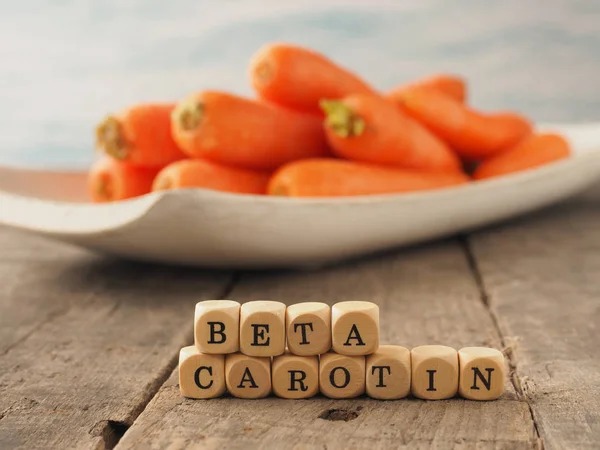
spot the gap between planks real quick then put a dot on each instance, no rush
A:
(113, 431)
(281, 286)
(507, 349)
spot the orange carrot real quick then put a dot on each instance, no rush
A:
(471, 134)
(534, 151)
(322, 177)
(111, 180)
(205, 174)
(299, 78)
(235, 131)
(450, 85)
(140, 135)
(370, 129)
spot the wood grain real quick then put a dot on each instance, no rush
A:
(541, 279)
(426, 295)
(85, 342)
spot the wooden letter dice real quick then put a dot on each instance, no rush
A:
(481, 373)
(388, 373)
(217, 326)
(247, 376)
(355, 328)
(295, 376)
(341, 376)
(434, 372)
(262, 328)
(201, 375)
(308, 327)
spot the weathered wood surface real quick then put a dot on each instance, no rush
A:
(86, 342)
(426, 295)
(541, 276)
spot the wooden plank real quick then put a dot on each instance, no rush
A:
(541, 278)
(85, 342)
(426, 295)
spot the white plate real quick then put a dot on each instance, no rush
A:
(213, 229)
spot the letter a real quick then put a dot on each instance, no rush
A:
(354, 334)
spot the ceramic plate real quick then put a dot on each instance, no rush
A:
(213, 229)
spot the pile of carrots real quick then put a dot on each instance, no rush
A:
(314, 130)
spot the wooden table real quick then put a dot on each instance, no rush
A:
(88, 345)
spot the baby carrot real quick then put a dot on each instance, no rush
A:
(471, 134)
(111, 180)
(534, 151)
(450, 85)
(140, 135)
(205, 174)
(235, 131)
(299, 78)
(371, 129)
(322, 177)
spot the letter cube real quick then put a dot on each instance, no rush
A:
(217, 326)
(262, 328)
(201, 375)
(482, 373)
(434, 372)
(355, 328)
(295, 376)
(308, 327)
(388, 373)
(247, 376)
(341, 376)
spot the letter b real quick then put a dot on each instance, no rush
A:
(217, 333)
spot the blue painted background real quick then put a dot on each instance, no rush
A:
(64, 64)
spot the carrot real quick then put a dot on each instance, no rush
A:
(471, 134)
(370, 129)
(534, 151)
(140, 135)
(235, 131)
(322, 177)
(111, 180)
(205, 174)
(299, 78)
(450, 85)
